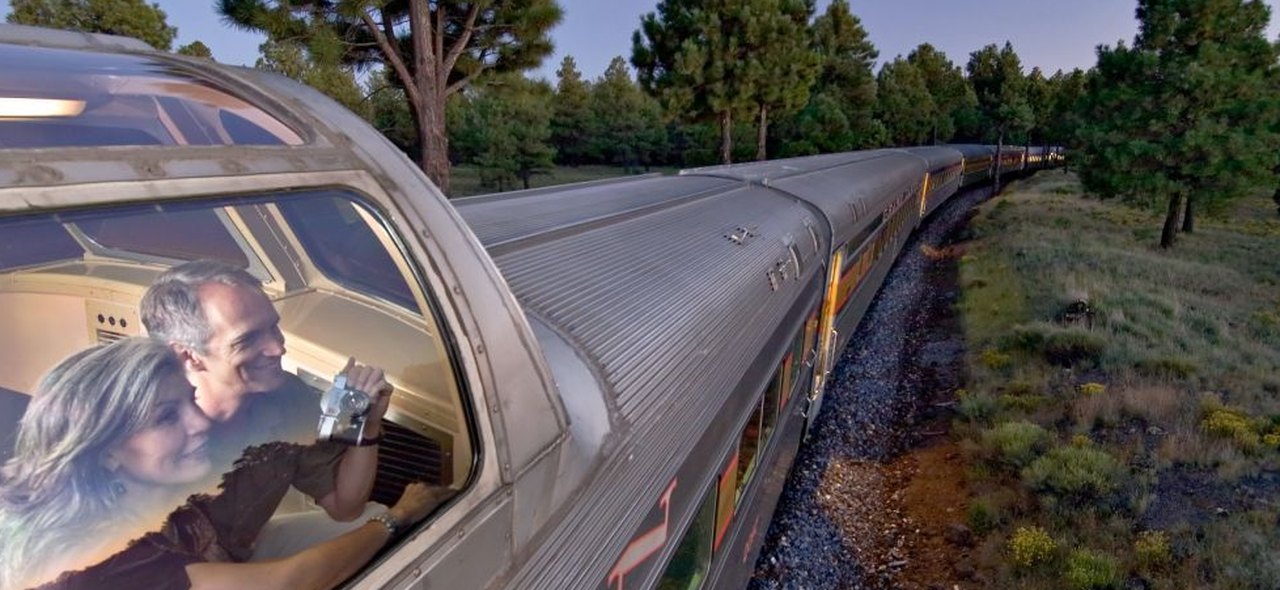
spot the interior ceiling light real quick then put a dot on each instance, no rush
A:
(35, 108)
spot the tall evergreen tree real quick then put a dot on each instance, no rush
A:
(1185, 115)
(571, 117)
(318, 65)
(948, 88)
(195, 49)
(1000, 87)
(627, 126)
(434, 48)
(130, 18)
(690, 54)
(1040, 101)
(1067, 117)
(504, 127)
(846, 56)
(904, 104)
(781, 63)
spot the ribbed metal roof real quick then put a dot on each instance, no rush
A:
(501, 220)
(936, 156)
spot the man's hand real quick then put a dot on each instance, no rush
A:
(373, 383)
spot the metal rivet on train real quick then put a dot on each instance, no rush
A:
(417, 572)
(479, 349)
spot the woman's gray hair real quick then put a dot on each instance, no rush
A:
(56, 489)
(171, 308)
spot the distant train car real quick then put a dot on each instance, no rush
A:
(608, 381)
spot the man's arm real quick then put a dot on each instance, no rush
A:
(353, 481)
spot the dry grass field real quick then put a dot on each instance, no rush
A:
(1121, 422)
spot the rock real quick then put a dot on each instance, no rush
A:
(959, 535)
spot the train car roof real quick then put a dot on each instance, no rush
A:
(936, 156)
(975, 150)
(501, 220)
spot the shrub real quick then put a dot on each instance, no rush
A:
(1023, 403)
(1088, 570)
(983, 516)
(1017, 443)
(1030, 546)
(1152, 550)
(1080, 441)
(1091, 388)
(976, 407)
(1166, 367)
(994, 359)
(1027, 338)
(1071, 347)
(1231, 423)
(1075, 474)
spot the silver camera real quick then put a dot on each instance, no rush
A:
(343, 412)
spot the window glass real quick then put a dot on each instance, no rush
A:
(688, 567)
(180, 232)
(35, 240)
(726, 499)
(87, 99)
(163, 473)
(749, 447)
(771, 397)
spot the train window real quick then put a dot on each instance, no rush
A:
(210, 433)
(36, 240)
(726, 498)
(769, 411)
(856, 243)
(689, 565)
(749, 447)
(92, 99)
(179, 232)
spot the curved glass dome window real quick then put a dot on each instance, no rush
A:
(66, 98)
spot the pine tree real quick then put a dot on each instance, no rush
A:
(1000, 87)
(130, 18)
(1186, 115)
(781, 64)
(948, 88)
(627, 127)
(435, 49)
(846, 57)
(571, 118)
(904, 104)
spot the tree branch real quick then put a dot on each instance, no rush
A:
(397, 64)
(460, 45)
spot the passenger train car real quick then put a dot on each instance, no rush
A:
(611, 379)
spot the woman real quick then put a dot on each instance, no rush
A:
(111, 435)
(111, 443)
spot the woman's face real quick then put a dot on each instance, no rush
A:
(172, 449)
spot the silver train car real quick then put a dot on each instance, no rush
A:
(610, 380)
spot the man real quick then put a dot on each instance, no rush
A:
(226, 331)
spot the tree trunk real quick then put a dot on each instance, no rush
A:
(1188, 220)
(726, 137)
(762, 133)
(1170, 232)
(995, 190)
(435, 144)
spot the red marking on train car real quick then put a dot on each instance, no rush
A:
(644, 546)
(751, 539)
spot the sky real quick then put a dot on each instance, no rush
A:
(1048, 35)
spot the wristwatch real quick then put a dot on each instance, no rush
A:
(385, 519)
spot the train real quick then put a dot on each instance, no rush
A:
(611, 379)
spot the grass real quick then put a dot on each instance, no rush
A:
(1094, 422)
(465, 180)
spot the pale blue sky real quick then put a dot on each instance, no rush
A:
(1051, 35)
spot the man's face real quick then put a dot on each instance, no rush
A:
(242, 355)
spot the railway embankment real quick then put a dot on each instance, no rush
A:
(876, 495)
(1041, 398)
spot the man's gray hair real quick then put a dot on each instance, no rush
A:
(171, 308)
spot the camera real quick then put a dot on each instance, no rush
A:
(343, 412)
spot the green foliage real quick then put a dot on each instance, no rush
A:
(1073, 347)
(1187, 114)
(196, 49)
(846, 56)
(1017, 443)
(994, 359)
(1075, 476)
(625, 124)
(130, 18)
(781, 67)
(1233, 424)
(1152, 550)
(904, 104)
(976, 407)
(1000, 89)
(1091, 389)
(1091, 570)
(465, 39)
(952, 96)
(1031, 546)
(504, 127)
(318, 66)
(571, 120)
(983, 516)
